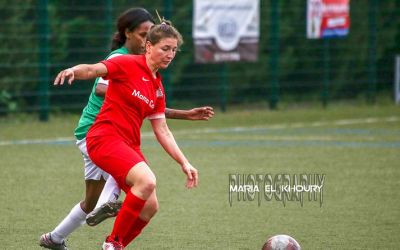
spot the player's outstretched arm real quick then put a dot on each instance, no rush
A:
(195, 114)
(81, 72)
(167, 141)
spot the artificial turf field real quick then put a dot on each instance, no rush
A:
(356, 148)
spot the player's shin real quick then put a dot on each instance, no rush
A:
(136, 229)
(127, 216)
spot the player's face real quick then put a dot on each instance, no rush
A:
(137, 38)
(163, 52)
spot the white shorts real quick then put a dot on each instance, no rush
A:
(92, 172)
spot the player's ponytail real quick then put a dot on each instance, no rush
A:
(117, 41)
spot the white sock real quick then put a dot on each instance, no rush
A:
(75, 219)
(111, 192)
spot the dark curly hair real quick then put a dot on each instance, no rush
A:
(130, 20)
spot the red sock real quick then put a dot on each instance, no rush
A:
(136, 229)
(127, 216)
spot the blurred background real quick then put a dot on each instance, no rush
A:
(39, 38)
(336, 116)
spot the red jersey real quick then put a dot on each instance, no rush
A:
(132, 95)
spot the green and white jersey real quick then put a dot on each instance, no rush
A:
(95, 102)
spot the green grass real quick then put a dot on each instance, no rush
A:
(359, 157)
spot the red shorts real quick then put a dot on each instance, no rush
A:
(114, 156)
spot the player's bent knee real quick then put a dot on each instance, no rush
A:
(147, 186)
(142, 180)
(144, 187)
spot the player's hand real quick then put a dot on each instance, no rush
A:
(65, 74)
(191, 174)
(201, 113)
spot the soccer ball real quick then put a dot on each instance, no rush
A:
(281, 242)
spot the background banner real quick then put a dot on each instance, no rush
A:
(225, 31)
(327, 18)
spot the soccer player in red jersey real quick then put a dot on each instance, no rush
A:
(132, 27)
(135, 92)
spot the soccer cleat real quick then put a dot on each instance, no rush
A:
(105, 211)
(46, 242)
(111, 244)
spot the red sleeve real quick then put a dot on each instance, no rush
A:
(116, 67)
(159, 107)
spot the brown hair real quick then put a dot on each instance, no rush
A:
(163, 30)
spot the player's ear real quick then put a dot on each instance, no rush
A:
(148, 46)
(127, 33)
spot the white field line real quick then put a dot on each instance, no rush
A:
(291, 125)
(38, 141)
(345, 122)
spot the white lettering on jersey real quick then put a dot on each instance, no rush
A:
(137, 94)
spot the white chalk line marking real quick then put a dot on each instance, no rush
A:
(343, 122)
